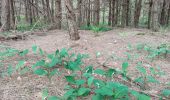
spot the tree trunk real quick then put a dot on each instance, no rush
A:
(30, 12)
(48, 11)
(5, 18)
(149, 13)
(168, 17)
(44, 9)
(163, 17)
(123, 18)
(73, 30)
(88, 14)
(97, 12)
(0, 14)
(79, 12)
(12, 14)
(155, 25)
(110, 13)
(58, 14)
(138, 6)
(127, 12)
(113, 13)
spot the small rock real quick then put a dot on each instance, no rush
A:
(19, 78)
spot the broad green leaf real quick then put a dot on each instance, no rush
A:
(39, 63)
(53, 98)
(143, 97)
(44, 94)
(98, 83)
(70, 79)
(152, 79)
(57, 52)
(69, 93)
(86, 75)
(104, 91)
(83, 91)
(54, 62)
(166, 92)
(52, 73)
(24, 52)
(40, 72)
(80, 82)
(139, 79)
(153, 72)
(34, 49)
(24, 71)
(99, 71)
(141, 69)
(110, 72)
(90, 81)
(10, 70)
(63, 52)
(20, 64)
(89, 69)
(41, 52)
(124, 67)
(97, 97)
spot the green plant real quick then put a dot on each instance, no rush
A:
(99, 84)
(96, 29)
(145, 78)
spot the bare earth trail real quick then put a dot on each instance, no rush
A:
(29, 87)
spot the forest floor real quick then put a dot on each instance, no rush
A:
(116, 41)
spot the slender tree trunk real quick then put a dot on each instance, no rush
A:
(104, 11)
(163, 17)
(123, 18)
(79, 12)
(58, 14)
(88, 14)
(48, 11)
(149, 13)
(127, 12)
(110, 13)
(12, 14)
(5, 18)
(0, 14)
(52, 10)
(30, 12)
(73, 30)
(113, 13)
(138, 6)
(155, 14)
(97, 12)
(168, 17)
(117, 12)
(44, 9)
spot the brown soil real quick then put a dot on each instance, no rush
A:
(29, 87)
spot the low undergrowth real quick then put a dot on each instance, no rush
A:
(96, 29)
(90, 82)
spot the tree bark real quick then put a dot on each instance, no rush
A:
(110, 13)
(113, 13)
(79, 12)
(48, 11)
(88, 14)
(5, 18)
(155, 14)
(58, 15)
(12, 24)
(163, 13)
(138, 7)
(150, 13)
(97, 12)
(73, 30)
